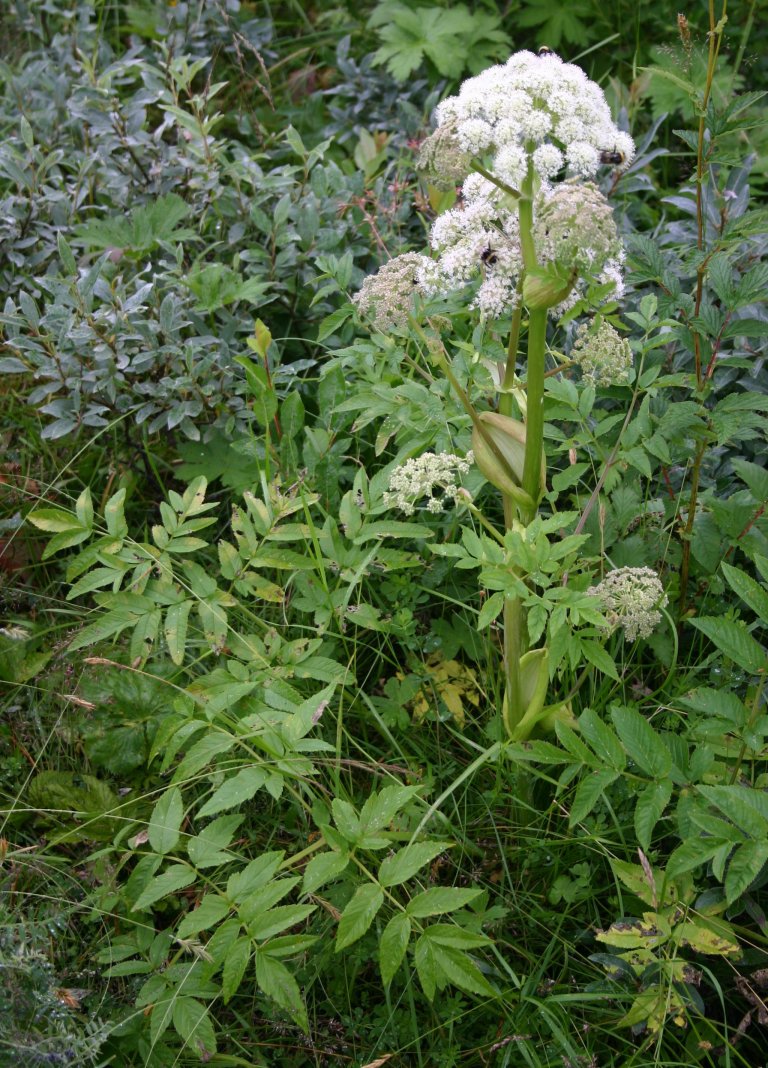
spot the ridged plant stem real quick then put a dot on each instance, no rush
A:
(515, 626)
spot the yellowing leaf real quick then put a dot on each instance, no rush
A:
(706, 940)
(449, 681)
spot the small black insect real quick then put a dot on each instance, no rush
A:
(545, 50)
(612, 156)
(489, 256)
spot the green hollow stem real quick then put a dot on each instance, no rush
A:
(537, 336)
(534, 419)
(514, 622)
(525, 212)
(515, 626)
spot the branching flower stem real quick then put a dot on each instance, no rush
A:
(505, 401)
(441, 358)
(491, 177)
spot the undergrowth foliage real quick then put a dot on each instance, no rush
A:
(384, 558)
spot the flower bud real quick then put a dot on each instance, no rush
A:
(544, 288)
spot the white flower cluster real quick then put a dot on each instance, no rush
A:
(532, 109)
(387, 295)
(422, 476)
(574, 225)
(539, 106)
(442, 158)
(632, 597)
(480, 236)
(602, 353)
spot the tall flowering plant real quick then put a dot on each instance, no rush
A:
(523, 140)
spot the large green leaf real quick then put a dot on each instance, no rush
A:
(650, 806)
(192, 1022)
(255, 874)
(602, 739)
(322, 869)
(211, 910)
(408, 860)
(589, 791)
(440, 899)
(208, 848)
(147, 226)
(359, 914)
(165, 823)
(177, 877)
(235, 963)
(277, 982)
(393, 945)
(641, 742)
(745, 807)
(744, 867)
(460, 970)
(273, 921)
(557, 22)
(734, 641)
(381, 808)
(750, 591)
(235, 791)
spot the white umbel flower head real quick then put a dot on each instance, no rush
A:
(632, 598)
(443, 159)
(531, 112)
(434, 476)
(602, 353)
(532, 102)
(480, 238)
(387, 295)
(575, 227)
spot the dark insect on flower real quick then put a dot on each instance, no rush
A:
(545, 50)
(612, 155)
(489, 256)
